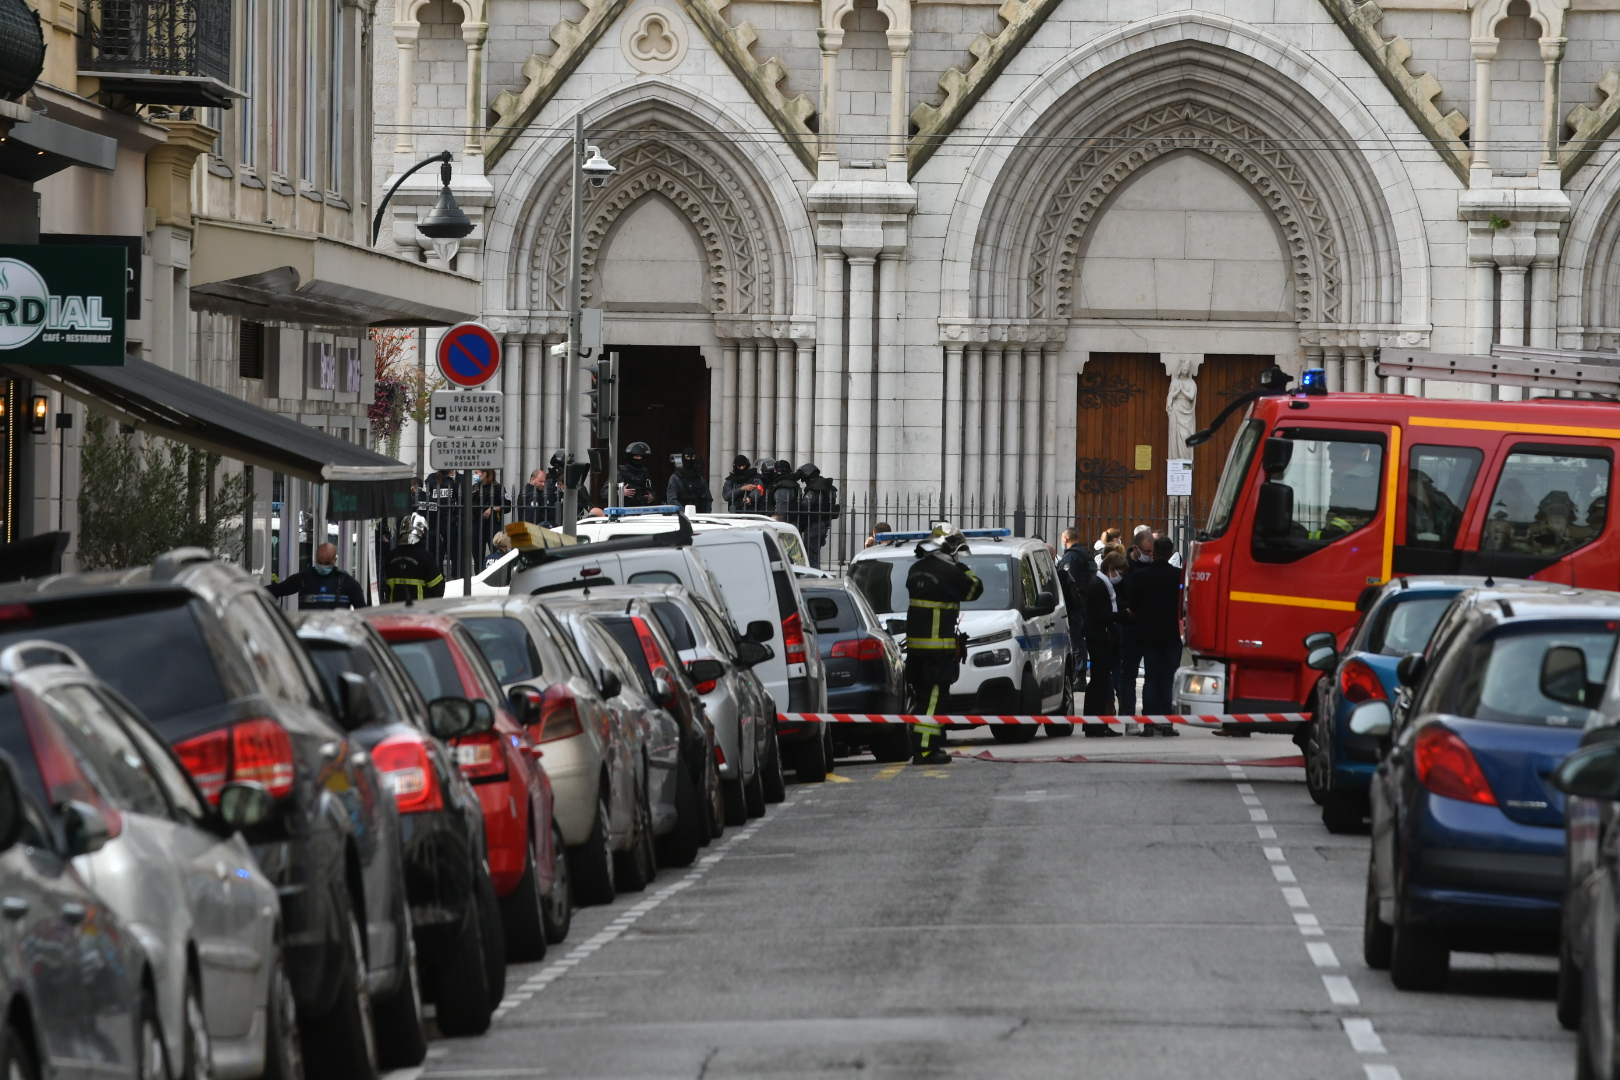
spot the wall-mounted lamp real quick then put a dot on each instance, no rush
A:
(39, 410)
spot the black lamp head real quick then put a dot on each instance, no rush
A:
(446, 220)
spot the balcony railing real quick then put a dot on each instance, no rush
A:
(172, 52)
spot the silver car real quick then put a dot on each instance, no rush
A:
(176, 873)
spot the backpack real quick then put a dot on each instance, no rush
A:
(821, 499)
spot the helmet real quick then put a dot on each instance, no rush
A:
(637, 447)
(415, 529)
(766, 466)
(808, 471)
(945, 538)
(784, 467)
(558, 460)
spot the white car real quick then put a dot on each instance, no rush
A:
(636, 520)
(1018, 651)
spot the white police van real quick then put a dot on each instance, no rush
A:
(1018, 650)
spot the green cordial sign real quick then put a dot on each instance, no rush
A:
(62, 305)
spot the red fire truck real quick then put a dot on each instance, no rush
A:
(1325, 495)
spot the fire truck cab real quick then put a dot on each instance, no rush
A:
(1326, 495)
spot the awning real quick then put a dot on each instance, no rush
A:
(264, 274)
(364, 483)
(42, 146)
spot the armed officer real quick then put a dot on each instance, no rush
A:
(938, 584)
(323, 587)
(409, 572)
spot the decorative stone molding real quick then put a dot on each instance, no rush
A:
(763, 81)
(962, 89)
(654, 40)
(1416, 93)
(1589, 126)
(1106, 164)
(1003, 331)
(169, 166)
(546, 74)
(1363, 336)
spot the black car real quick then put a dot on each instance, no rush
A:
(205, 654)
(865, 671)
(455, 916)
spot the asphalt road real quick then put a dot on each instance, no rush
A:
(1158, 913)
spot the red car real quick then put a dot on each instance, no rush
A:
(502, 763)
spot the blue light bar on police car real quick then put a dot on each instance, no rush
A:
(981, 534)
(636, 511)
(1313, 382)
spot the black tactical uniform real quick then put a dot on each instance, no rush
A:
(938, 585)
(688, 486)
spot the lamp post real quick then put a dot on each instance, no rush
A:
(445, 221)
(589, 165)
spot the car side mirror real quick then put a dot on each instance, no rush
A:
(1371, 718)
(703, 671)
(244, 804)
(13, 815)
(359, 707)
(894, 626)
(609, 683)
(85, 828)
(526, 702)
(1045, 603)
(1322, 658)
(760, 630)
(1274, 519)
(663, 687)
(1276, 456)
(752, 653)
(1411, 667)
(450, 717)
(1320, 639)
(1592, 772)
(1563, 677)
(483, 718)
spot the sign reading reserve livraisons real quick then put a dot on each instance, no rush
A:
(62, 305)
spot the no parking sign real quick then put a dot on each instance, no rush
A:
(469, 355)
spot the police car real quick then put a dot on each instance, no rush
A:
(1018, 651)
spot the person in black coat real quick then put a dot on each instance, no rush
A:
(1101, 632)
(743, 490)
(1152, 596)
(687, 484)
(1076, 571)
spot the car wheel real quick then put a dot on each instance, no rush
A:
(1419, 958)
(1569, 989)
(593, 862)
(1376, 934)
(522, 913)
(153, 1062)
(775, 782)
(342, 1044)
(198, 1063)
(1066, 705)
(16, 1061)
(811, 766)
(680, 845)
(460, 978)
(494, 938)
(1318, 767)
(401, 1029)
(715, 799)
(754, 791)
(1343, 811)
(558, 912)
(634, 869)
(283, 1055)
(736, 807)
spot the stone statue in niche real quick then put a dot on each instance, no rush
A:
(1181, 404)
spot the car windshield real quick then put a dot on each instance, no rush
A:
(431, 667)
(1406, 627)
(883, 582)
(1498, 679)
(506, 645)
(1231, 483)
(128, 647)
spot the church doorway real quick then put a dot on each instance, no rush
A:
(664, 402)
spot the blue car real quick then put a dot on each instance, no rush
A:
(1467, 828)
(1396, 619)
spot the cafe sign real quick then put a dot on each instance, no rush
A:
(62, 305)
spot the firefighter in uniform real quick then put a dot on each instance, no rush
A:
(937, 584)
(409, 572)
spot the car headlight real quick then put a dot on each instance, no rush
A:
(1203, 686)
(990, 639)
(993, 658)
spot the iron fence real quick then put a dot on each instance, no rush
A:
(160, 37)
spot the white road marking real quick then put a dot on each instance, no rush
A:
(1363, 1039)
(1258, 815)
(1273, 854)
(1322, 954)
(1266, 832)
(1382, 1072)
(1284, 874)
(1250, 800)
(1340, 992)
(1308, 925)
(1245, 789)
(1295, 897)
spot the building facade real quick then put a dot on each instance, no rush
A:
(998, 250)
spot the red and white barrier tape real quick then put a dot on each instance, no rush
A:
(1200, 720)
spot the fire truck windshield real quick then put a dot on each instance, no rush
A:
(1231, 485)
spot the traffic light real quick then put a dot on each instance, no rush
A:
(600, 399)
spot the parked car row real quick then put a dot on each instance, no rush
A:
(1476, 725)
(238, 845)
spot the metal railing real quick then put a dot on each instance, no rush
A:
(160, 37)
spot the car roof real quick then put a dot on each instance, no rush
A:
(209, 578)
(346, 627)
(1515, 605)
(402, 619)
(976, 545)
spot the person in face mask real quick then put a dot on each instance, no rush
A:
(1104, 613)
(688, 486)
(635, 481)
(323, 587)
(743, 490)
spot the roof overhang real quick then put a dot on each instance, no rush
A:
(273, 275)
(153, 399)
(150, 89)
(40, 147)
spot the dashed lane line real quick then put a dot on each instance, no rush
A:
(889, 772)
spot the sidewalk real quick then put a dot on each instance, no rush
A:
(1194, 744)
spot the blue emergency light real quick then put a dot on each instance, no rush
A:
(971, 534)
(1313, 382)
(636, 511)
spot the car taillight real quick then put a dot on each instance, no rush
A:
(719, 755)
(407, 772)
(793, 638)
(706, 686)
(258, 751)
(858, 649)
(1358, 682)
(481, 756)
(1447, 767)
(559, 715)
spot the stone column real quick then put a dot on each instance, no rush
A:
(1012, 393)
(406, 32)
(990, 445)
(1552, 54)
(1513, 282)
(1481, 294)
(832, 39)
(729, 445)
(1029, 483)
(785, 437)
(830, 367)
(1049, 425)
(534, 444)
(1333, 364)
(862, 267)
(765, 400)
(553, 392)
(955, 423)
(1352, 371)
(899, 48)
(512, 411)
(804, 403)
(474, 34)
(719, 463)
(747, 435)
(889, 385)
(1484, 51)
(972, 426)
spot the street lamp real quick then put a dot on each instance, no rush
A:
(445, 221)
(589, 165)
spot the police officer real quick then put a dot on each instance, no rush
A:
(743, 490)
(323, 587)
(783, 498)
(635, 481)
(687, 484)
(409, 572)
(1076, 569)
(938, 584)
(820, 507)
